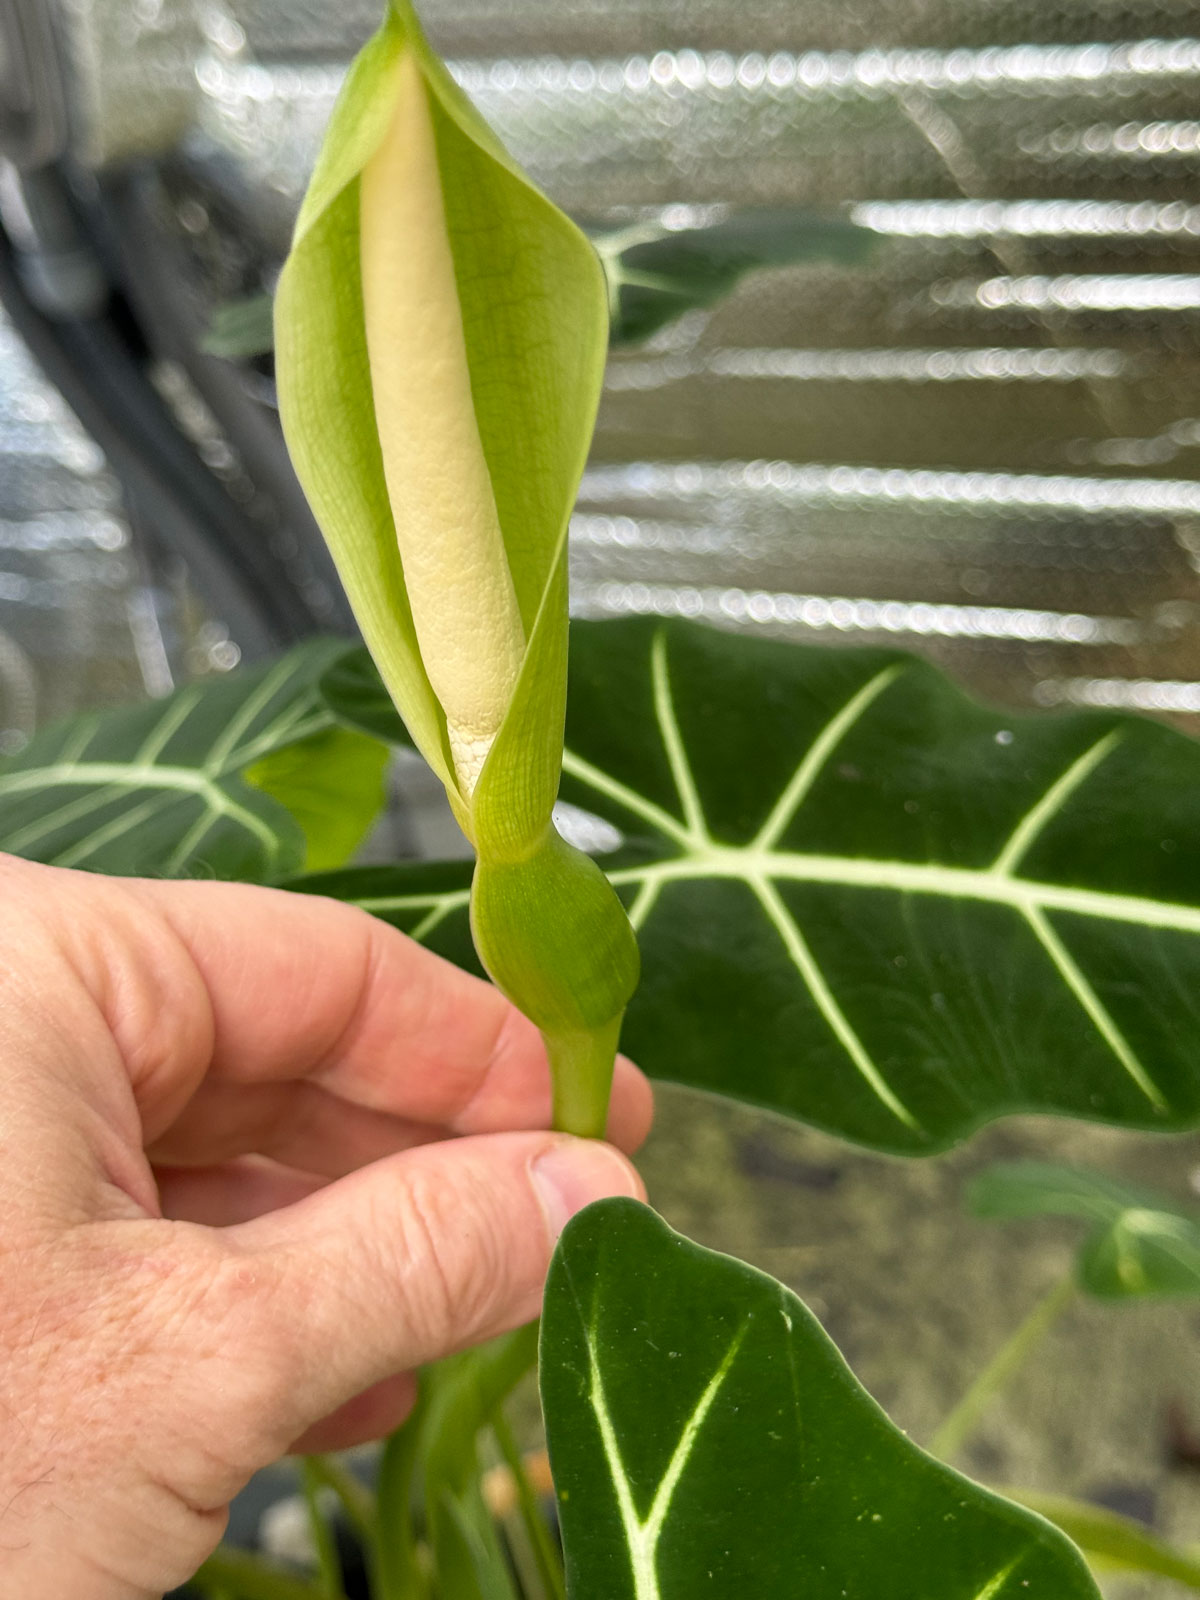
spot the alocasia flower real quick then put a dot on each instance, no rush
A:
(441, 330)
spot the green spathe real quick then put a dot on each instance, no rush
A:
(527, 301)
(440, 339)
(543, 930)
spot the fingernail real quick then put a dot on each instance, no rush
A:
(573, 1173)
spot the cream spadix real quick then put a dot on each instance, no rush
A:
(456, 572)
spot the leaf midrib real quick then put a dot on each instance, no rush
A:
(987, 884)
(642, 1533)
(733, 863)
(692, 853)
(119, 774)
(760, 862)
(120, 778)
(206, 780)
(139, 774)
(760, 869)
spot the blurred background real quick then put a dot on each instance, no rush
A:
(907, 349)
(910, 306)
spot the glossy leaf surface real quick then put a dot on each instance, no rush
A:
(160, 789)
(708, 1440)
(865, 901)
(1141, 1242)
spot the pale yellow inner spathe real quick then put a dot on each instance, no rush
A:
(455, 567)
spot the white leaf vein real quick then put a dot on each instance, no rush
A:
(642, 1534)
(1090, 1002)
(105, 783)
(249, 711)
(817, 757)
(1035, 820)
(761, 865)
(815, 981)
(995, 1584)
(668, 727)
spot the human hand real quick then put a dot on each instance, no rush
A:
(260, 1156)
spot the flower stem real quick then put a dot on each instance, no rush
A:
(581, 1066)
(962, 1420)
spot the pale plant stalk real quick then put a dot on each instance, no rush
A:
(356, 1500)
(1012, 1355)
(582, 1073)
(545, 1552)
(329, 1568)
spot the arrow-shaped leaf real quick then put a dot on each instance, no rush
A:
(161, 789)
(866, 901)
(1140, 1244)
(708, 1440)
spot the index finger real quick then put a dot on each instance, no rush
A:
(303, 988)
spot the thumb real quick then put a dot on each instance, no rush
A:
(406, 1260)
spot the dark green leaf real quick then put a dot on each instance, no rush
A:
(160, 789)
(708, 1440)
(1141, 1242)
(656, 273)
(867, 902)
(428, 900)
(354, 692)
